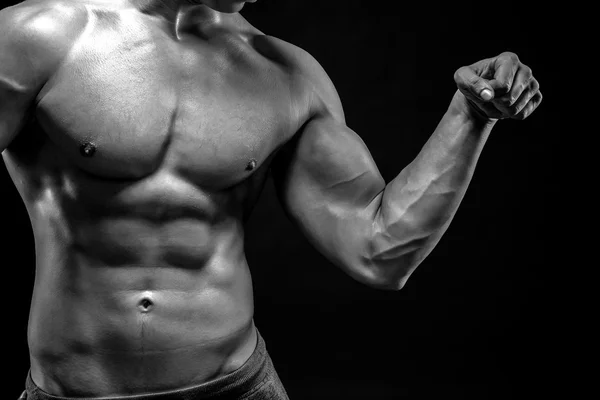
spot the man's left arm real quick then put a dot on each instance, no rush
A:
(330, 186)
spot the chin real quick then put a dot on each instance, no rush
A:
(234, 8)
(227, 6)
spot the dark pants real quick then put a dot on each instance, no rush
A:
(255, 380)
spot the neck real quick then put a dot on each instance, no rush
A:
(171, 5)
(169, 9)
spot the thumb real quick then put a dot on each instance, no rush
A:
(482, 89)
(486, 94)
(468, 81)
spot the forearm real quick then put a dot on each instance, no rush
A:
(418, 205)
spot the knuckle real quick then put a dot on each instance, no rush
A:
(459, 74)
(509, 55)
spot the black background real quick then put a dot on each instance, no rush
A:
(484, 315)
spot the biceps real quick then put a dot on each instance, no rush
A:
(330, 187)
(327, 165)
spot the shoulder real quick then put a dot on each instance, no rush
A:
(37, 34)
(307, 75)
(44, 19)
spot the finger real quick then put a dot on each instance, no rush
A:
(532, 88)
(472, 85)
(506, 65)
(530, 107)
(522, 80)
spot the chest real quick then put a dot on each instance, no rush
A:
(129, 101)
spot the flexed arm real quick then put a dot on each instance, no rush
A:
(330, 186)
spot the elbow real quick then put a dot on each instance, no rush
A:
(389, 273)
(389, 262)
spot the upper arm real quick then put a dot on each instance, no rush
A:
(327, 180)
(34, 38)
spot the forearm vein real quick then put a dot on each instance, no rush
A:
(419, 204)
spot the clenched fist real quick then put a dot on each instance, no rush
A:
(500, 87)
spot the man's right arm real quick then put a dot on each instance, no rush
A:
(35, 37)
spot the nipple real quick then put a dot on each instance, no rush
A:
(145, 305)
(251, 165)
(87, 149)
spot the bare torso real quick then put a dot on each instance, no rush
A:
(144, 155)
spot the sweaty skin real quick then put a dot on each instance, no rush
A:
(144, 155)
(139, 134)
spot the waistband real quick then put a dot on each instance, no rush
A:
(230, 386)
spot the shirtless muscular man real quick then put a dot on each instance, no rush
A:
(139, 134)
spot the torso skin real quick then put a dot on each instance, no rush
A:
(143, 156)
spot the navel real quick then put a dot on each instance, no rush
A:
(87, 149)
(251, 165)
(145, 305)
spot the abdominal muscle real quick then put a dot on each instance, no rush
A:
(123, 305)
